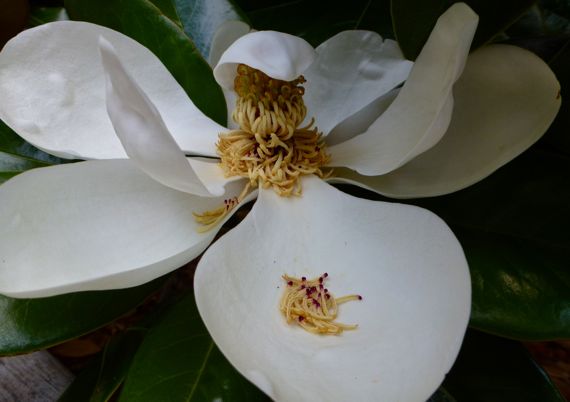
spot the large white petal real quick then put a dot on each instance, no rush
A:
(94, 225)
(403, 260)
(53, 92)
(142, 131)
(352, 69)
(421, 113)
(279, 55)
(504, 101)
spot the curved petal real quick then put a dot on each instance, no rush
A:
(279, 55)
(225, 35)
(405, 262)
(142, 131)
(421, 113)
(53, 92)
(505, 100)
(351, 70)
(94, 225)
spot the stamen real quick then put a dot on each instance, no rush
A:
(315, 313)
(270, 148)
(209, 219)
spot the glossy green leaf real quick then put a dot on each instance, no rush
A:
(168, 9)
(178, 361)
(493, 369)
(414, 19)
(32, 324)
(520, 289)
(107, 371)
(318, 20)
(42, 15)
(17, 156)
(513, 227)
(201, 19)
(147, 24)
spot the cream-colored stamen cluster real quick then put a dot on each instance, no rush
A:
(309, 304)
(270, 148)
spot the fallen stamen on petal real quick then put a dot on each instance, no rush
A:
(313, 313)
(211, 218)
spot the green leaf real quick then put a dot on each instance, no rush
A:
(147, 24)
(32, 324)
(492, 369)
(316, 21)
(17, 156)
(520, 289)
(201, 19)
(105, 374)
(414, 19)
(178, 361)
(42, 15)
(441, 395)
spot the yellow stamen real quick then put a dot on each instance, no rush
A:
(309, 304)
(270, 148)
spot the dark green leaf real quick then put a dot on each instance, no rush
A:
(17, 156)
(42, 15)
(178, 361)
(104, 375)
(558, 136)
(318, 20)
(147, 24)
(441, 395)
(492, 369)
(201, 19)
(169, 10)
(31, 324)
(520, 289)
(414, 19)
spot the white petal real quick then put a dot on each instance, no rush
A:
(279, 55)
(142, 131)
(53, 92)
(403, 260)
(505, 100)
(226, 34)
(419, 116)
(94, 225)
(352, 69)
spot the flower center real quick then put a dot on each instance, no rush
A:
(270, 148)
(309, 304)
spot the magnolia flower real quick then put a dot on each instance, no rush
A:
(126, 215)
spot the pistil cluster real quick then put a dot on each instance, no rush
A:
(310, 304)
(270, 148)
